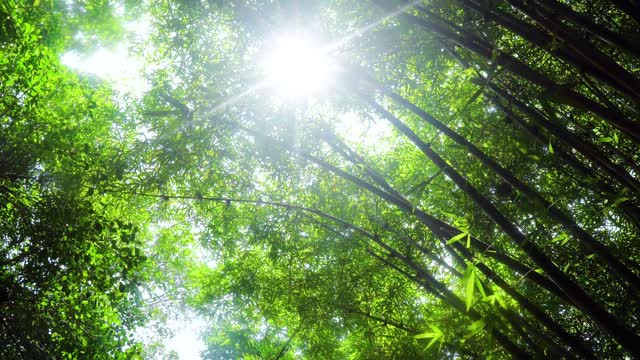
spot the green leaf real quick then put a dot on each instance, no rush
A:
(605, 139)
(475, 328)
(619, 201)
(434, 336)
(480, 287)
(427, 335)
(563, 238)
(470, 275)
(491, 299)
(457, 238)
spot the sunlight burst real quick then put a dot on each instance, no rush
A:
(296, 67)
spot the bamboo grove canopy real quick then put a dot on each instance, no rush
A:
(323, 179)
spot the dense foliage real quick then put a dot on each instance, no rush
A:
(71, 261)
(497, 217)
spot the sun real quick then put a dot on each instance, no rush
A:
(297, 67)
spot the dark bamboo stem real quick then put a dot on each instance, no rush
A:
(561, 93)
(621, 332)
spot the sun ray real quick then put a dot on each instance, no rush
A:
(297, 67)
(323, 51)
(365, 29)
(234, 99)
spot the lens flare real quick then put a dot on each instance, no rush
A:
(296, 67)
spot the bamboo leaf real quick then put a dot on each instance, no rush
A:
(619, 201)
(434, 336)
(457, 238)
(427, 335)
(491, 299)
(479, 285)
(475, 328)
(469, 284)
(432, 342)
(563, 238)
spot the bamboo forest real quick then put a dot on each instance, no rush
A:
(320, 179)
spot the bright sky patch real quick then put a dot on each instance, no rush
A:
(297, 67)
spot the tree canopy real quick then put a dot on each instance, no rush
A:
(323, 180)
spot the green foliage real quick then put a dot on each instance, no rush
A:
(72, 260)
(496, 218)
(435, 336)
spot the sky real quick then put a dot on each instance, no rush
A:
(115, 66)
(186, 341)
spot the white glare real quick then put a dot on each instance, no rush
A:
(116, 66)
(296, 67)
